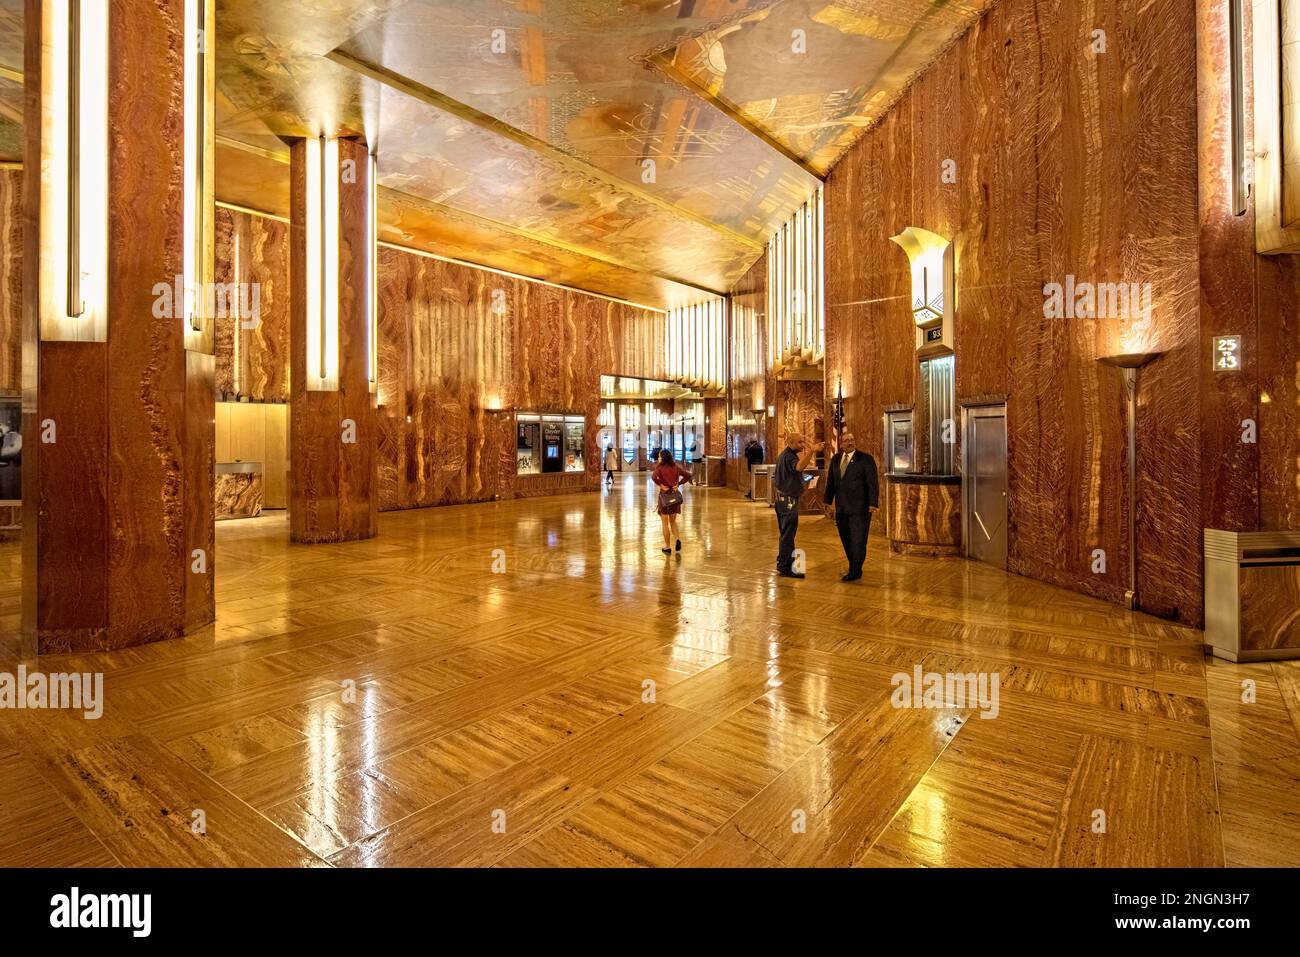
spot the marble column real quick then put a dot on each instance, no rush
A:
(117, 399)
(333, 482)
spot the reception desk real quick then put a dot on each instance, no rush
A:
(924, 513)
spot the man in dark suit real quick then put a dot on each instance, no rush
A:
(853, 490)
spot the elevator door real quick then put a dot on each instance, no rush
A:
(984, 481)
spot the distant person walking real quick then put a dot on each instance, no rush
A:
(753, 456)
(611, 464)
(668, 478)
(788, 485)
(853, 491)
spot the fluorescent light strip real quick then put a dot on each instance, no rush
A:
(372, 270)
(236, 277)
(314, 261)
(76, 305)
(195, 150)
(1239, 184)
(329, 366)
(321, 185)
(74, 143)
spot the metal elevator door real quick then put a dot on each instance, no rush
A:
(985, 484)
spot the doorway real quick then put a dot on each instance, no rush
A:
(984, 483)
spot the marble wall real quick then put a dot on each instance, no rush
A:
(1245, 486)
(11, 281)
(461, 350)
(253, 251)
(1043, 157)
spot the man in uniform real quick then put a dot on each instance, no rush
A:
(788, 486)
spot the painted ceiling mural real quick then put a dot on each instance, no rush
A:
(643, 149)
(814, 75)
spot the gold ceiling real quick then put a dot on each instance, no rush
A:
(643, 149)
(811, 75)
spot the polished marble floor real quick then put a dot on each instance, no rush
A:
(533, 683)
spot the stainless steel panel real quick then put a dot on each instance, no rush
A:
(985, 481)
(898, 442)
(939, 376)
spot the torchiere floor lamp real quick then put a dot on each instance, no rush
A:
(1129, 364)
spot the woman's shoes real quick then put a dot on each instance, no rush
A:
(666, 551)
(679, 544)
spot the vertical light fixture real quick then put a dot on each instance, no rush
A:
(372, 271)
(1237, 92)
(198, 159)
(796, 324)
(74, 148)
(819, 288)
(236, 277)
(322, 274)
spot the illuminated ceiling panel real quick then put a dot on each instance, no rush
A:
(643, 149)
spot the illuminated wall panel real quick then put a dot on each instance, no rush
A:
(74, 151)
(796, 277)
(695, 339)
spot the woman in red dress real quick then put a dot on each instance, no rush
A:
(668, 477)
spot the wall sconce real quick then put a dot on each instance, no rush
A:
(1129, 364)
(933, 299)
(74, 151)
(322, 221)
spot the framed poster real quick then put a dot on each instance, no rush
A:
(528, 444)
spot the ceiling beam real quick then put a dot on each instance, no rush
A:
(491, 124)
(279, 156)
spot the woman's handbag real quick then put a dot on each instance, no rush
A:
(669, 498)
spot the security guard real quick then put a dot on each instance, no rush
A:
(788, 486)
